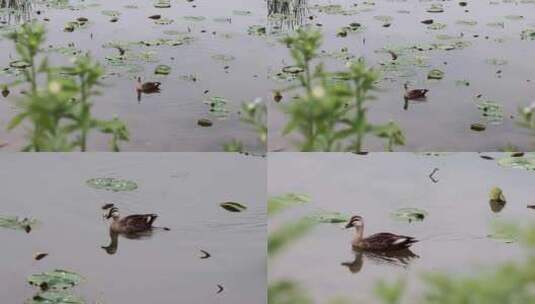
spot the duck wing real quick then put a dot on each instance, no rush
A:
(388, 241)
(138, 222)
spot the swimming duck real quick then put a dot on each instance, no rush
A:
(148, 87)
(414, 94)
(132, 224)
(377, 242)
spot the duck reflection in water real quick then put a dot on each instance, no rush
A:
(400, 258)
(136, 226)
(382, 248)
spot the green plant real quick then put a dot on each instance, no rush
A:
(527, 118)
(59, 111)
(510, 282)
(253, 114)
(331, 111)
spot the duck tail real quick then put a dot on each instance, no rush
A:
(152, 218)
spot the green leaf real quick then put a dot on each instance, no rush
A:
(112, 184)
(281, 202)
(233, 207)
(55, 280)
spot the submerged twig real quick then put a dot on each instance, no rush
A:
(431, 176)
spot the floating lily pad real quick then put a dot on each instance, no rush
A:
(436, 26)
(467, 22)
(218, 106)
(55, 297)
(111, 13)
(528, 34)
(435, 74)
(410, 214)
(233, 207)
(496, 61)
(242, 13)
(491, 112)
(163, 21)
(112, 184)
(257, 30)
(329, 218)
(162, 69)
(514, 17)
(55, 280)
(526, 163)
(280, 202)
(194, 18)
(436, 8)
(223, 57)
(14, 222)
(162, 4)
(19, 64)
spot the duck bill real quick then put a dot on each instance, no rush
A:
(349, 225)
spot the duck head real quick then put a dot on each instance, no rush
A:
(112, 213)
(355, 221)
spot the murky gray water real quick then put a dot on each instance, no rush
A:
(183, 189)
(453, 235)
(165, 121)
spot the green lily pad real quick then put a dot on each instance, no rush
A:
(218, 106)
(329, 218)
(223, 57)
(14, 222)
(410, 214)
(55, 297)
(19, 64)
(528, 34)
(242, 13)
(491, 112)
(435, 74)
(257, 30)
(233, 207)
(194, 18)
(55, 280)
(436, 8)
(162, 4)
(162, 69)
(514, 17)
(280, 202)
(111, 13)
(526, 163)
(496, 61)
(163, 21)
(436, 26)
(112, 184)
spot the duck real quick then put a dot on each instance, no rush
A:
(414, 94)
(148, 87)
(381, 242)
(131, 224)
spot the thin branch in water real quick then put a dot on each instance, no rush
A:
(431, 176)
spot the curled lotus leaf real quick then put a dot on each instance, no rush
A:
(409, 214)
(233, 206)
(162, 69)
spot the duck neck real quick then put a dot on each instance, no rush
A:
(359, 234)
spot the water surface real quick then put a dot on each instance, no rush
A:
(183, 189)
(453, 236)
